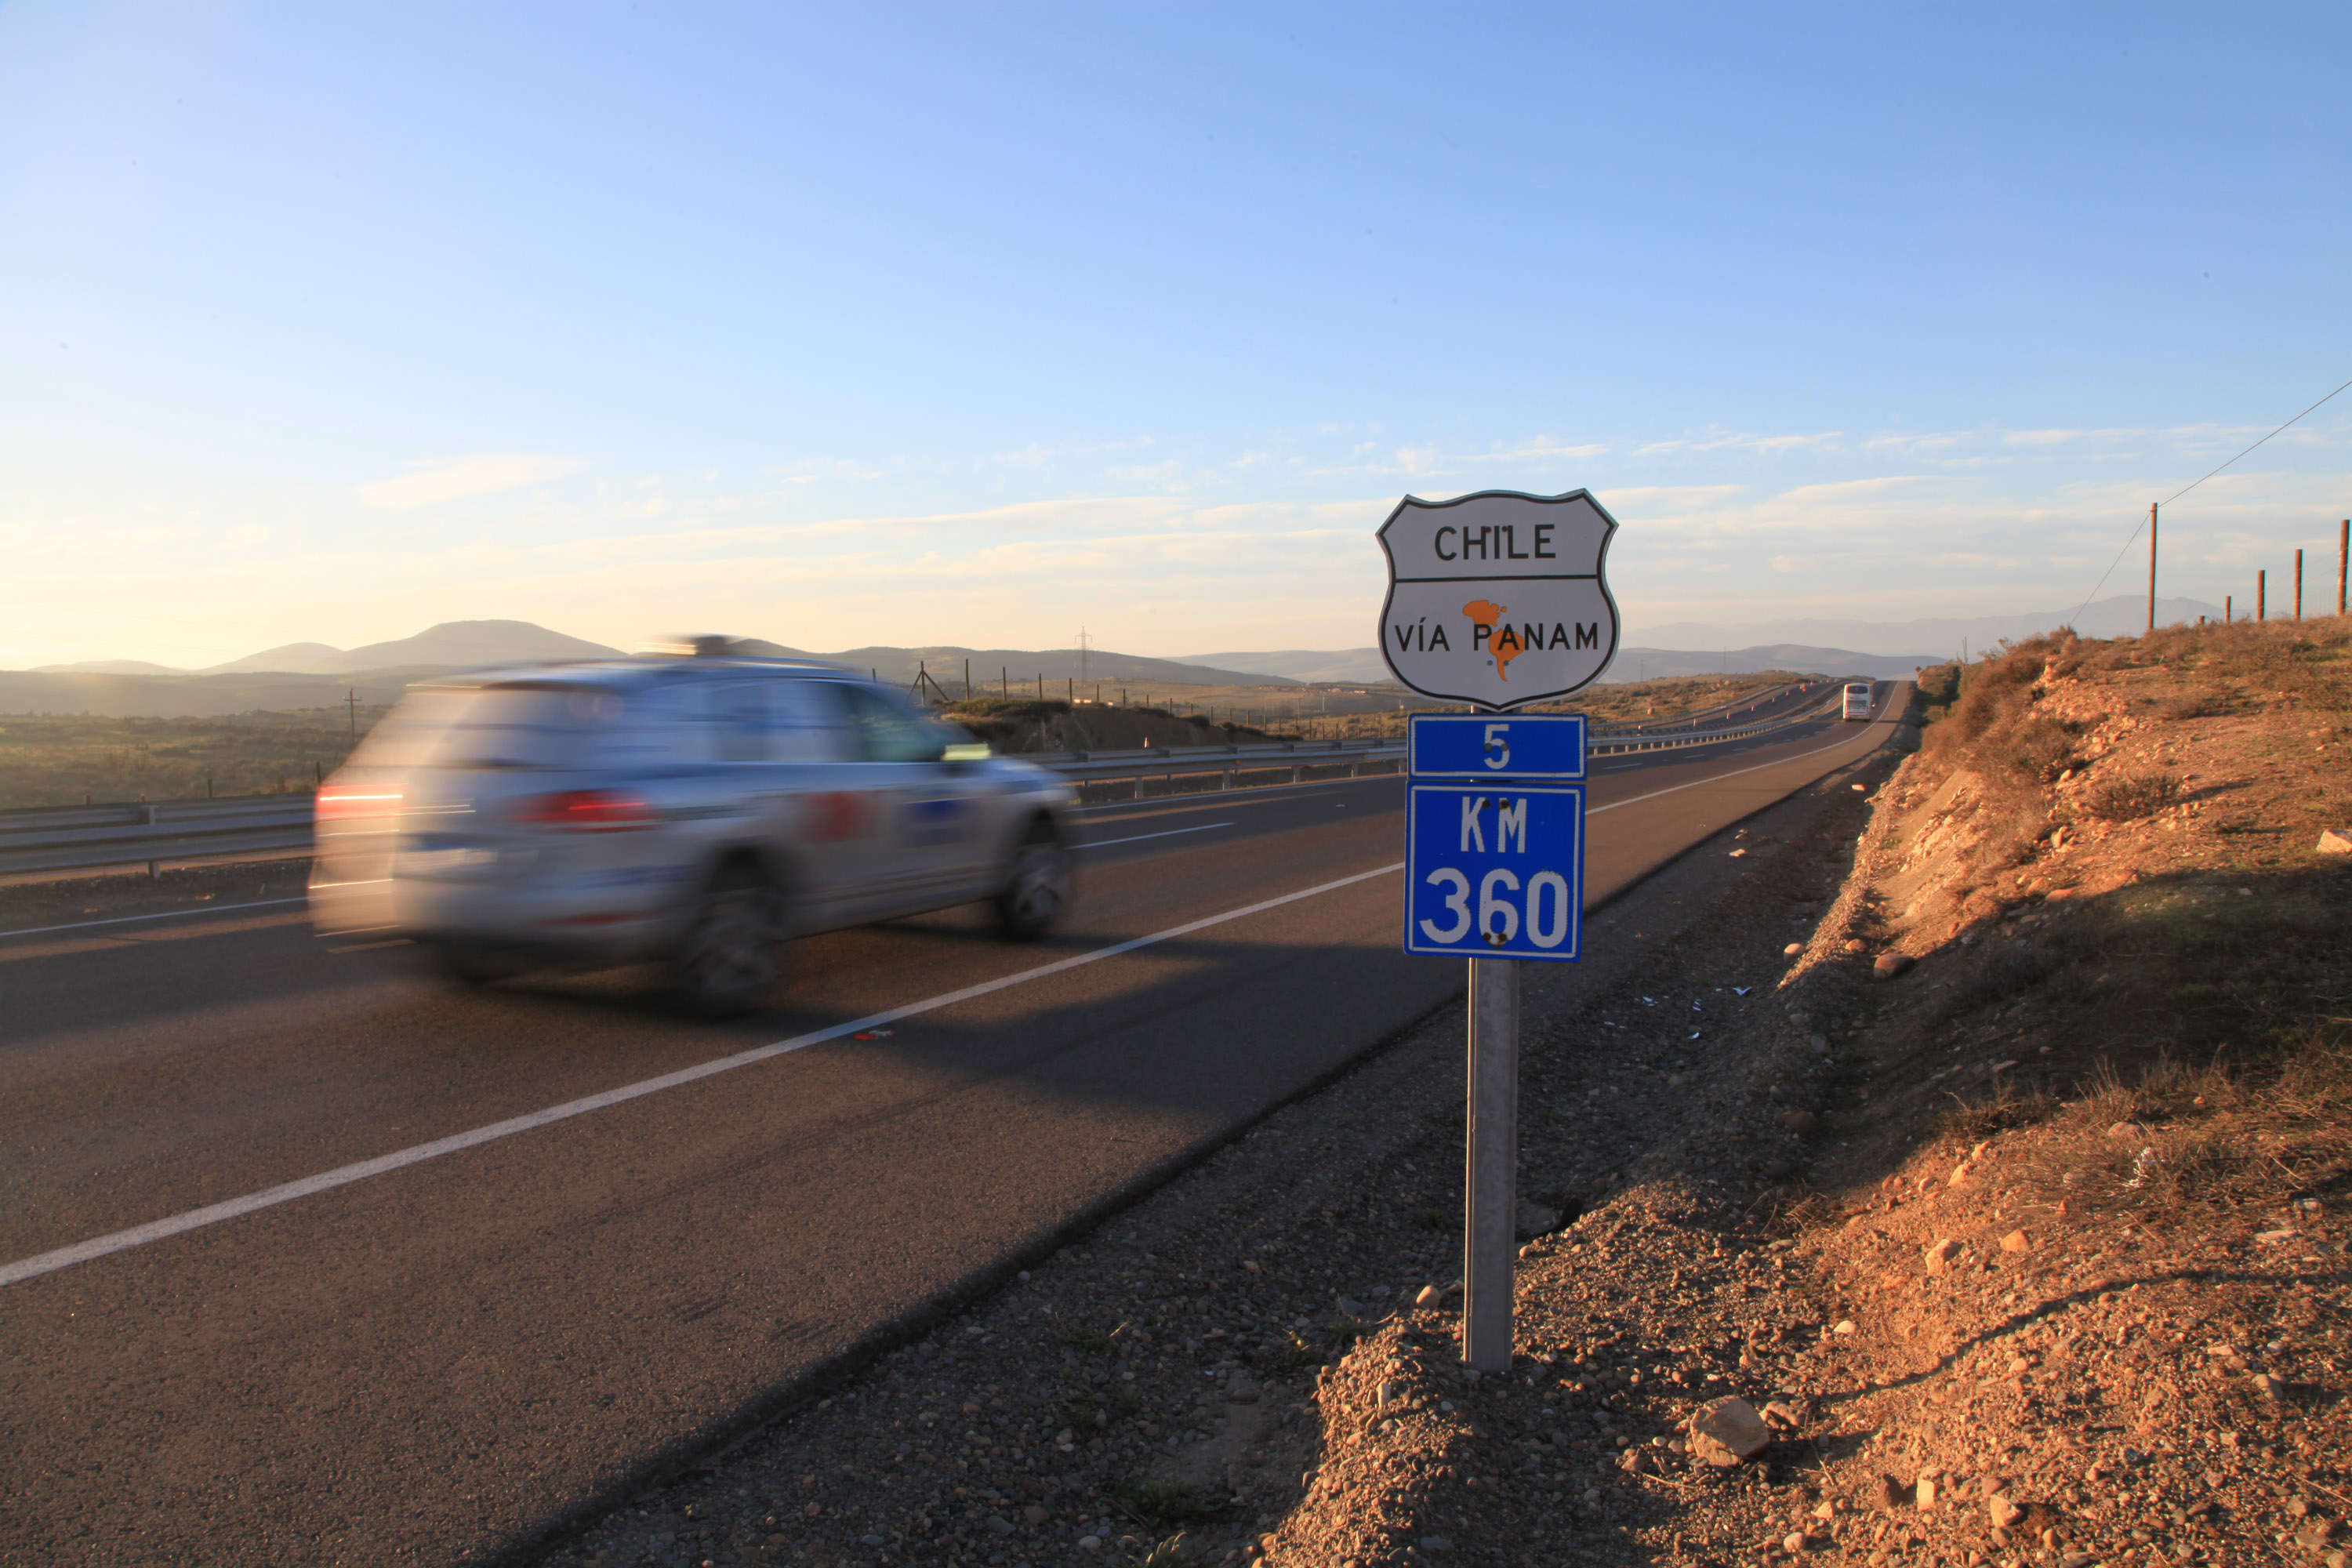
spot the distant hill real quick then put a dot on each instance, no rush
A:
(452, 645)
(315, 675)
(1362, 666)
(2122, 616)
(111, 666)
(293, 658)
(1633, 664)
(1350, 666)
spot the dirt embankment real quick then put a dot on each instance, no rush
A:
(1980, 1123)
(2065, 1280)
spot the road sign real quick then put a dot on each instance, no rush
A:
(1497, 598)
(1494, 870)
(1532, 746)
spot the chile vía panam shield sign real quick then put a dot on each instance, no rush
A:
(1497, 598)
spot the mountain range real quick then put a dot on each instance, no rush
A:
(316, 675)
(452, 645)
(1883, 650)
(2124, 615)
(1362, 666)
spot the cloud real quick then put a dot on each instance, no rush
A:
(433, 480)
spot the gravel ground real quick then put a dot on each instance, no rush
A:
(1173, 1374)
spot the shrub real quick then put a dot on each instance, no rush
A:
(1171, 1552)
(1163, 1502)
(1345, 1331)
(2121, 800)
(1939, 683)
(2036, 749)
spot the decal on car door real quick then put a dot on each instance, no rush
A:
(930, 823)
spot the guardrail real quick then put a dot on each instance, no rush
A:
(84, 837)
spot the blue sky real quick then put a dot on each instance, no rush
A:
(981, 323)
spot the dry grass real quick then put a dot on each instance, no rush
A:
(65, 761)
(2179, 1141)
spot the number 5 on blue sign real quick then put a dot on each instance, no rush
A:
(1494, 871)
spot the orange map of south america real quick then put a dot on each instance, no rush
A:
(1504, 643)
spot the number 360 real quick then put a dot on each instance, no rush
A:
(1547, 913)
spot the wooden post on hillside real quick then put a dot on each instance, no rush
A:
(2298, 584)
(2261, 597)
(2343, 555)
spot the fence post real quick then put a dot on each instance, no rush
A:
(2262, 595)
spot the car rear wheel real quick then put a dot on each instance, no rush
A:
(1035, 891)
(728, 960)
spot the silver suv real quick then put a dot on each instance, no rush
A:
(697, 809)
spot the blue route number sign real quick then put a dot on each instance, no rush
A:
(1494, 870)
(1525, 748)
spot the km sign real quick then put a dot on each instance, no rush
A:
(1496, 598)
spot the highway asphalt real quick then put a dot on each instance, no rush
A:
(437, 1354)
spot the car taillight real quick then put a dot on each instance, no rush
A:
(587, 811)
(339, 803)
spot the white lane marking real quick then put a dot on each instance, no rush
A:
(1106, 842)
(1718, 778)
(166, 915)
(344, 1175)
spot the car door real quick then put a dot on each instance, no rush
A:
(935, 805)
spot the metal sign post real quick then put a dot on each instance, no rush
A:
(1490, 1185)
(1495, 599)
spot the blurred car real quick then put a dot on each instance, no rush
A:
(699, 809)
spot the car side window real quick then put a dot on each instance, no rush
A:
(807, 724)
(887, 732)
(734, 720)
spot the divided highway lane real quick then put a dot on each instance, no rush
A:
(420, 1365)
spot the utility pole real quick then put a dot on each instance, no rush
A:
(2261, 597)
(2343, 555)
(2298, 584)
(2225, 610)
(2151, 566)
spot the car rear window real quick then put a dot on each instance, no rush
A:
(512, 726)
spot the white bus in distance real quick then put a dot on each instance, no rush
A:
(1857, 699)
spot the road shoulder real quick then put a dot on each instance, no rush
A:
(1161, 1376)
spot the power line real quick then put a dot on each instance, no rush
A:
(2175, 496)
